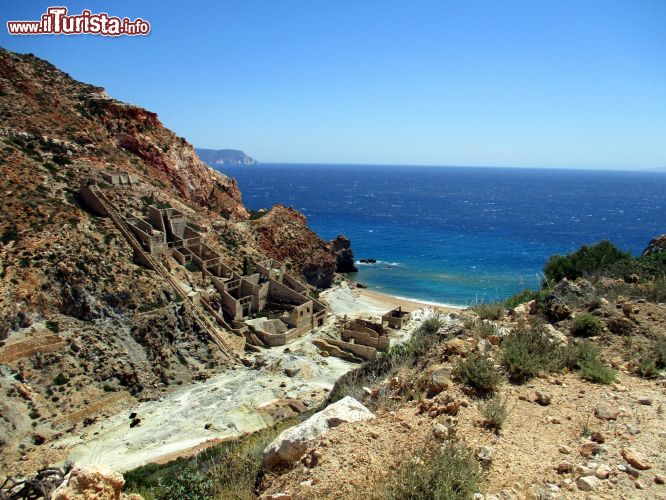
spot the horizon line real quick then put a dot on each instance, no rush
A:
(661, 169)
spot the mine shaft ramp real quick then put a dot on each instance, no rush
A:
(199, 315)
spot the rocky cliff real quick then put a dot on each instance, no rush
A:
(86, 329)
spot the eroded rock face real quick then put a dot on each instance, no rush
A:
(656, 245)
(283, 234)
(344, 257)
(292, 443)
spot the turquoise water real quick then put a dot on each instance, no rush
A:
(457, 235)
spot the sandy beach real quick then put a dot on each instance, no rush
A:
(348, 299)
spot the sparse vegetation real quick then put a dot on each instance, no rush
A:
(494, 412)
(449, 472)
(478, 372)
(587, 358)
(586, 325)
(528, 351)
(54, 326)
(492, 311)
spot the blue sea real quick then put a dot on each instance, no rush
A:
(460, 235)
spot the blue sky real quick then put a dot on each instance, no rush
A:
(516, 83)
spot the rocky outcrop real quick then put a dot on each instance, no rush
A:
(292, 443)
(91, 483)
(656, 245)
(344, 257)
(283, 234)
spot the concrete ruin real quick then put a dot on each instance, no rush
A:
(359, 340)
(396, 318)
(269, 307)
(119, 178)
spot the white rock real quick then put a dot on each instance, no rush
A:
(587, 483)
(292, 443)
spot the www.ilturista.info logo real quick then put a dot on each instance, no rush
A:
(55, 21)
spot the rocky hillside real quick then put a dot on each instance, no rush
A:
(84, 327)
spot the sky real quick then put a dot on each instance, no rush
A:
(542, 83)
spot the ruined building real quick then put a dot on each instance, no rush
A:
(267, 307)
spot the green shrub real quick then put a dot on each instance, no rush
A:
(647, 364)
(584, 261)
(188, 485)
(528, 351)
(520, 298)
(494, 412)
(449, 472)
(60, 379)
(257, 215)
(484, 329)
(478, 372)
(646, 268)
(587, 358)
(586, 325)
(492, 311)
(192, 266)
(54, 326)
(660, 350)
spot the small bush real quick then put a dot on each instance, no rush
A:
(54, 326)
(660, 350)
(489, 311)
(647, 364)
(587, 358)
(60, 379)
(188, 485)
(478, 372)
(528, 351)
(192, 266)
(520, 298)
(485, 329)
(586, 325)
(450, 472)
(494, 412)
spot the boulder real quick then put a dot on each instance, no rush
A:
(91, 483)
(636, 459)
(604, 412)
(587, 483)
(293, 443)
(556, 309)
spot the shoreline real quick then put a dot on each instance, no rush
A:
(346, 298)
(406, 303)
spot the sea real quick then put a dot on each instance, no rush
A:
(461, 235)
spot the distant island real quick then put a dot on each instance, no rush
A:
(217, 157)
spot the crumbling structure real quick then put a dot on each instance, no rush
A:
(396, 318)
(359, 339)
(268, 307)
